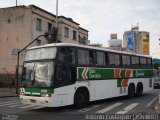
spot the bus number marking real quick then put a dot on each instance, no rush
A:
(43, 91)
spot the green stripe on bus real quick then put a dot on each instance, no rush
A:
(122, 75)
(38, 90)
(86, 73)
(94, 73)
(119, 82)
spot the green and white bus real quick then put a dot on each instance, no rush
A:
(63, 74)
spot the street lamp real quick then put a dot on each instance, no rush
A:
(17, 69)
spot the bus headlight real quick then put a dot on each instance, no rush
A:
(21, 93)
(46, 95)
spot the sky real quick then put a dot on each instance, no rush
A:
(103, 17)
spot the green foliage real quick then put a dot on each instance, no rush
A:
(156, 63)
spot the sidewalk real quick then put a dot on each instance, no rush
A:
(8, 92)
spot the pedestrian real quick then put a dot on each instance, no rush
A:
(12, 85)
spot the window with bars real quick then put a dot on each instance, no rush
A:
(66, 32)
(38, 24)
(74, 35)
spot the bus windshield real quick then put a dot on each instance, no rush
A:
(38, 74)
(41, 53)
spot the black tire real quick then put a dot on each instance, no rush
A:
(131, 91)
(139, 90)
(81, 98)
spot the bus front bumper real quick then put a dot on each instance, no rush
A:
(42, 101)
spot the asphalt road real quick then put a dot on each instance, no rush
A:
(11, 107)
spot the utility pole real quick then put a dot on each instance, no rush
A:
(16, 2)
(56, 13)
(56, 19)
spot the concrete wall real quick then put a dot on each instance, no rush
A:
(15, 31)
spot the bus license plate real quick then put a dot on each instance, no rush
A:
(32, 101)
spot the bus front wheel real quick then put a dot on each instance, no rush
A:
(81, 98)
(131, 91)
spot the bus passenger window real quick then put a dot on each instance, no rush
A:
(100, 59)
(95, 58)
(90, 58)
(143, 62)
(149, 62)
(126, 60)
(111, 59)
(135, 61)
(83, 57)
(114, 59)
(106, 59)
(90, 61)
(117, 60)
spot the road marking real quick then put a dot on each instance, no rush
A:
(151, 101)
(109, 108)
(10, 104)
(24, 106)
(128, 108)
(38, 107)
(89, 108)
(27, 106)
(16, 105)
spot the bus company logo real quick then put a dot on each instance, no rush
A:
(89, 73)
(122, 76)
(139, 73)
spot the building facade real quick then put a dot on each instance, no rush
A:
(22, 24)
(136, 41)
(143, 43)
(114, 43)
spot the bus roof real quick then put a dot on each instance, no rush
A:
(86, 46)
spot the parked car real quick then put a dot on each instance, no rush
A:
(156, 82)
